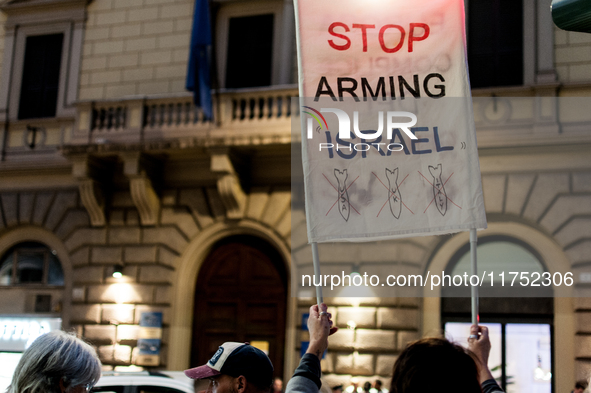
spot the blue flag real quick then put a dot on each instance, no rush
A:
(198, 80)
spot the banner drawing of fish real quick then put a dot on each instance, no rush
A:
(344, 205)
(394, 197)
(438, 190)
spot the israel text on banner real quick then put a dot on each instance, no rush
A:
(388, 137)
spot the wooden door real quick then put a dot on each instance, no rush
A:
(240, 296)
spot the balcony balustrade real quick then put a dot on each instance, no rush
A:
(254, 116)
(263, 116)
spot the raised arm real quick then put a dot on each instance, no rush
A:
(320, 326)
(479, 344)
(306, 378)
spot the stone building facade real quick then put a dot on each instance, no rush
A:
(127, 172)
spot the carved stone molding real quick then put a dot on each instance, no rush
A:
(139, 169)
(228, 184)
(85, 170)
(145, 199)
(93, 200)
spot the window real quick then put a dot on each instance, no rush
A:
(520, 357)
(135, 389)
(250, 51)
(495, 42)
(110, 389)
(510, 43)
(254, 45)
(521, 328)
(30, 263)
(41, 72)
(497, 257)
(41, 59)
(157, 389)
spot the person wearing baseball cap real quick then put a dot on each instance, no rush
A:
(242, 368)
(236, 368)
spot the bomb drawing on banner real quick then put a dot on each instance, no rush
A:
(344, 205)
(438, 190)
(394, 197)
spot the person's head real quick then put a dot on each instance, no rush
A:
(435, 364)
(377, 384)
(56, 362)
(366, 386)
(580, 386)
(236, 368)
(277, 385)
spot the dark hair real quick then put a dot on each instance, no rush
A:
(581, 385)
(435, 365)
(260, 386)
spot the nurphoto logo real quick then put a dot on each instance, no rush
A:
(393, 127)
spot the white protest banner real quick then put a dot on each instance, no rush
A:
(388, 138)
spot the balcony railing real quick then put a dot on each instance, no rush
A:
(262, 107)
(260, 113)
(263, 116)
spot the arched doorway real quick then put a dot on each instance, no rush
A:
(554, 259)
(241, 295)
(520, 320)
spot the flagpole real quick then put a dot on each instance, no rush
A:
(474, 288)
(315, 257)
(316, 262)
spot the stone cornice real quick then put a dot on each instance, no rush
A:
(16, 5)
(33, 11)
(180, 144)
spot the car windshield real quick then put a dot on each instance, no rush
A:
(108, 389)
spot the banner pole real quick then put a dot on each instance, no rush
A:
(315, 257)
(316, 261)
(474, 288)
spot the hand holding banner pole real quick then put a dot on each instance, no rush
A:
(316, 262)
(315, 258)
(474, 288)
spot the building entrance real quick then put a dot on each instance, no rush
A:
(241, 295)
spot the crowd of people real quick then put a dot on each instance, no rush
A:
(368, 387)
(58, 362)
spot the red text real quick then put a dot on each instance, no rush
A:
(416, 32)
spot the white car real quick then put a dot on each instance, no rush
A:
(144, 382)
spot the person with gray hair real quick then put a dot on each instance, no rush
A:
(56, 362)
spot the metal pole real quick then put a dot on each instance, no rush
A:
(316, 261)
(474, 288)
(315, 258)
